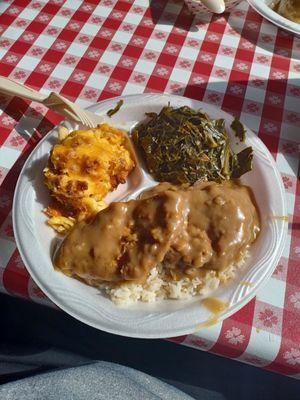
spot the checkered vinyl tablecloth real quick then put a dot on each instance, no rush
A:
(92, 50)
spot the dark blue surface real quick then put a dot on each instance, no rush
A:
(35, 339)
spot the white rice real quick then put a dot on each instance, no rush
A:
(157, 287)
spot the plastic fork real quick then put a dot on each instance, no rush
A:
(54, 101)
(59, 104)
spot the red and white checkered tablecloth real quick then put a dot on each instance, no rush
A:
(92, 50)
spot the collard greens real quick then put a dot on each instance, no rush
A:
(182, 145)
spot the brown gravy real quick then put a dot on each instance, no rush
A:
(205, 226)
(214, 305)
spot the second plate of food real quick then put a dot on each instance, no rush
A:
(283, 13)
(168, 226)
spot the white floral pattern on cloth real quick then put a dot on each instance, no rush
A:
(115, 86)
(105, 33)
(236, 89)
(75, 26)
(234, 336)
(87, 7)
(93, 53)
(198, 80)
(79, 77)
(138, 41)
(127, 62)
(292, 356)
(242, 66)
(296, 251)
(206, 57)
(7, 120)
(14, 11)
(172, 49)
(295, 300)
(162, 71)
(43, 18)
(28, 37)
(274, 99)
(60, 45)
(11, 59)
(45, 68)
(279, 75)
(117, 15)
(270, 127)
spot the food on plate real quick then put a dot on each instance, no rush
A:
(172, 242)
(239, 129)
(113, 111)
(82, 168)
(182, 145)
(289, 9)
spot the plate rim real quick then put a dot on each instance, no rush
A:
(165, 334)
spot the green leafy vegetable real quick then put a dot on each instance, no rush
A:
(182, 145)
(242, 162)
(113, 111)
(239, 129)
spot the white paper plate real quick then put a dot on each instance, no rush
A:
(167, 318)
(263, 8)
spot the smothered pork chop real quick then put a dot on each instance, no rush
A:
(174, 234)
